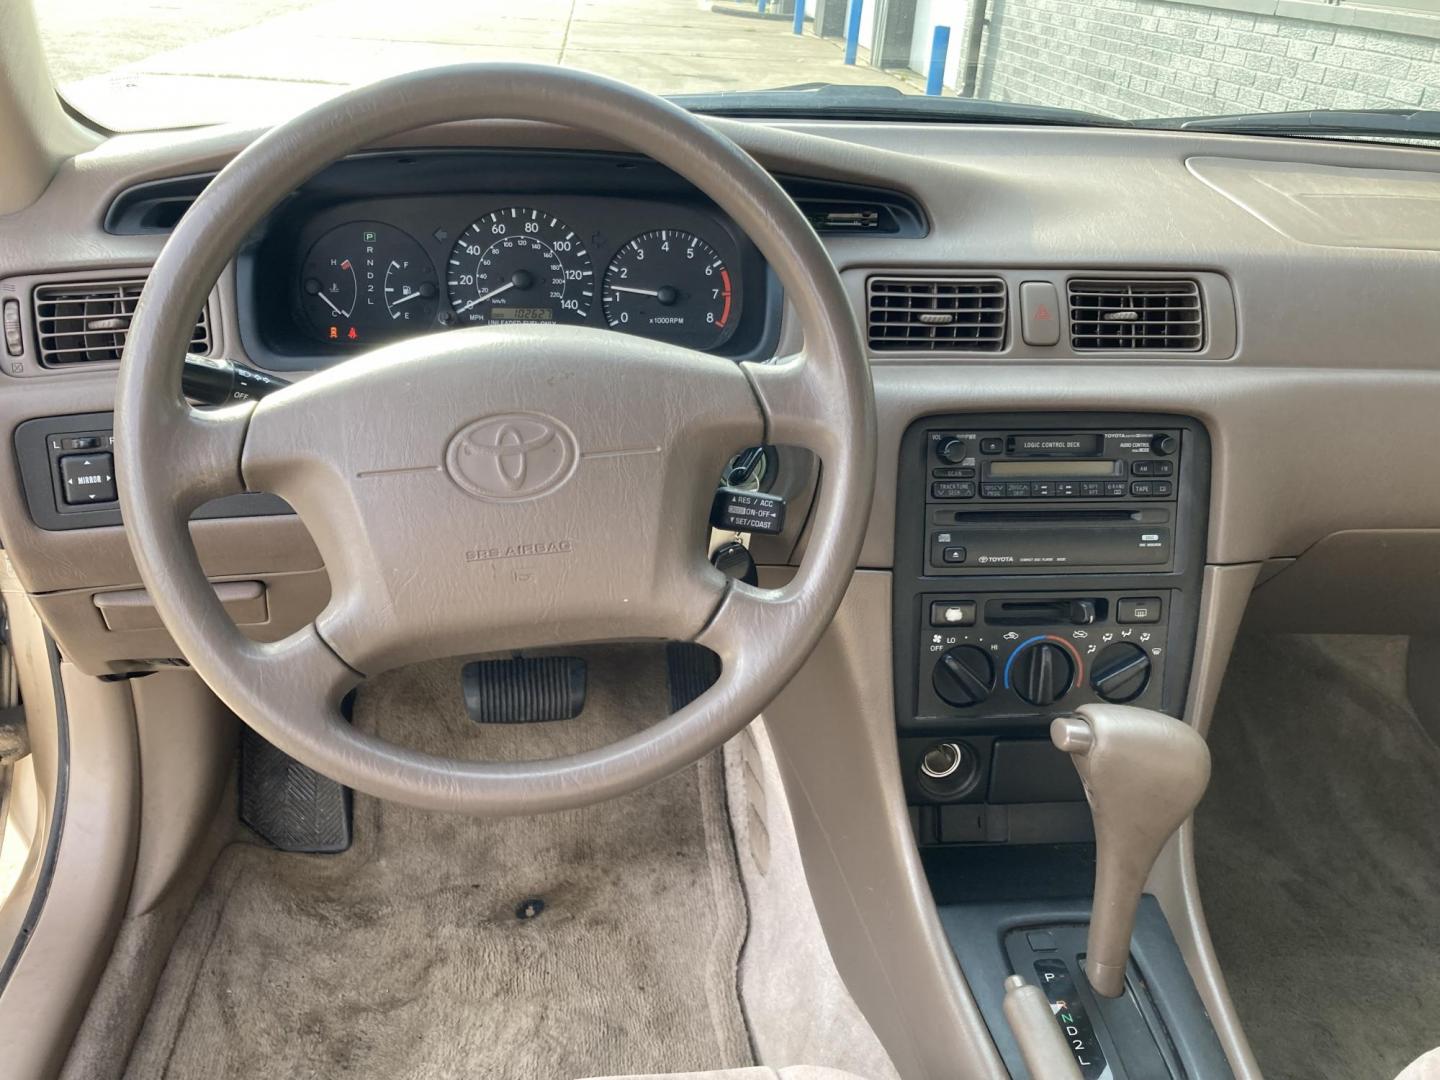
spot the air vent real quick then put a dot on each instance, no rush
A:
(842, 217)
(1116, 315)
(836, 209)
(86, 322)
(953, 314)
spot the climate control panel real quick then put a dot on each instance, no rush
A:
(989, 657)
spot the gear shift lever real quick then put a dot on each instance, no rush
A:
(1143, 774)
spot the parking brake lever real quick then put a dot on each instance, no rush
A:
(209, 381)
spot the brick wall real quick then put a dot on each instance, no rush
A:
(1144, 58)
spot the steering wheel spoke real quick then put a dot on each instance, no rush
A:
(796, 394)
(202, 449)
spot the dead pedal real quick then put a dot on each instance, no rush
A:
(289, 804)
(524, 689)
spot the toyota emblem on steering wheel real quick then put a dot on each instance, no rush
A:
(512, 457)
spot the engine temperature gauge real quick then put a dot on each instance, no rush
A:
(367, 280)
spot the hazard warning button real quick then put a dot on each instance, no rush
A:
(1039, 313)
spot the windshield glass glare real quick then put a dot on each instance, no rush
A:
(144, 64)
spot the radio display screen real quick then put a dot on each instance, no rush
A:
(1002, 470)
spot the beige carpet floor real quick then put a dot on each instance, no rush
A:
(1318, 852)
(403, 958)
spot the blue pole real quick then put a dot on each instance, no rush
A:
(939, 46)
(799, 26)
(762, 5)
(852, 31)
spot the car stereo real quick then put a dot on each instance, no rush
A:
(1006, 501)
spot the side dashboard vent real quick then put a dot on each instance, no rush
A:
(846, 217)
(1118, 315)
(86, 322)
(950, 314)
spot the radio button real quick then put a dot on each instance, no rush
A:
(1152, 468)
(966, 473)
(952, 613)
(1017, 491)
(952, 489)
(992, 491)
(992, 446)
(1042, 489)
(1091, 490)
(1114, 489)
(1067, 490)
(1152, 489)
(1138, 609)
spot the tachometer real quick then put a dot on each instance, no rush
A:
(671, 285)
(520, 265)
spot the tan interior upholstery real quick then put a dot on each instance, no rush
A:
(1425, 1067)
(793, 1072)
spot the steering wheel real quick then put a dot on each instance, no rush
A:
(496, 488)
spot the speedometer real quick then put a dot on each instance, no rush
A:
(519, 265)
(670, 285)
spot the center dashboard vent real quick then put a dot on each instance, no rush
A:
(1121, 315)
(87, 322)
(941, 314)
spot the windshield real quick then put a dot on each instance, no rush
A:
(141, 64)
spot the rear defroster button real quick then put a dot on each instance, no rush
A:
(1138, 609)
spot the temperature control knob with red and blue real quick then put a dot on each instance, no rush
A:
(1043, 669)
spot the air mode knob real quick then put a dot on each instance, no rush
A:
(1120, 673)
(1042, 673)
(964, 676)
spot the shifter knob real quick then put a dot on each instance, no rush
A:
(1143, 773)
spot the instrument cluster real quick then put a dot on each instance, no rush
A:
(363, 272)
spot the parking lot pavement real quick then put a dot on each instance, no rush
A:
(192, 61)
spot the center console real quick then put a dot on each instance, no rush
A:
(1044, 561)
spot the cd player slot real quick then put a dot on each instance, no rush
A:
(1149, 515)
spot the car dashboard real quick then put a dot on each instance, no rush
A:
(1129, 388)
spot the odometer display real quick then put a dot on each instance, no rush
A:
(670, 284)
(519, 265)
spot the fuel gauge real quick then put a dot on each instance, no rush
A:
(367, 280)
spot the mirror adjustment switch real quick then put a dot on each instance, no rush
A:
(87, 478)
